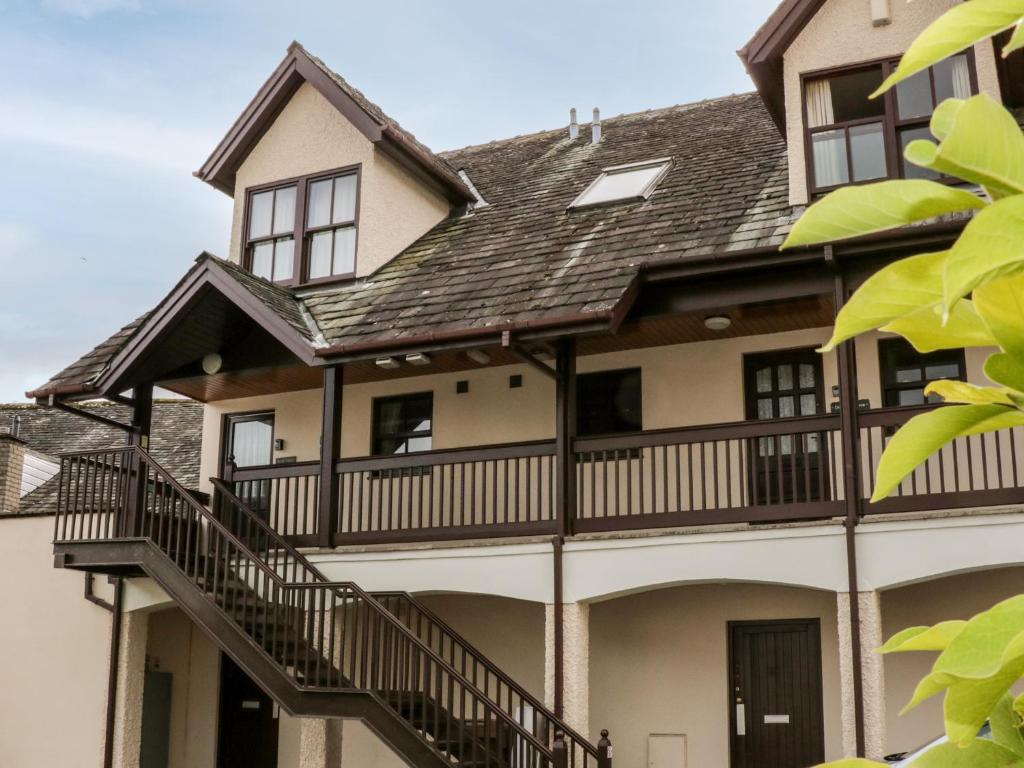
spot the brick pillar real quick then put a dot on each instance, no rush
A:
(576, 670)
(872, 674)
(131, 679)
(319, 743)
(12, 466)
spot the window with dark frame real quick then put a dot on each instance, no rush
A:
(852, 138)
(906, 372)
(403, 424)
(609, 402)
(304, 230)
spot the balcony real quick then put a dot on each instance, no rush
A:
(755, 472)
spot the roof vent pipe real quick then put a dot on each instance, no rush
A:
(574, 128)
(595, 127)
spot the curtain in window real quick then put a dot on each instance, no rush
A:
(251, 443)
(819, 103)
(961, 78)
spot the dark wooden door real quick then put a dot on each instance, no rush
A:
(786, 468)
(775, 694)
(248, 722)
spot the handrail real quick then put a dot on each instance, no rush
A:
(893, 415)
(270, 471)
(480, 453)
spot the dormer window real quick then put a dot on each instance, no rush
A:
(621, 183)
(852, 138)
(318, 214)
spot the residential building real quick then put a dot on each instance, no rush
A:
(507, 445)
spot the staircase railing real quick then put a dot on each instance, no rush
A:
(472, 664)
(325, 636)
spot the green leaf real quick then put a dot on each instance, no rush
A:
(981, 143)
(1005, 370)
(1005, 722)
(1000, 303)
(958, 28)
(961, 392)
(863, 209)
(935, 638)
(925, 434)
(969, 702)
(1018, 705)
(1016, 41)
(852, 762)
(980, 753)
(990, 246)
(905, 297)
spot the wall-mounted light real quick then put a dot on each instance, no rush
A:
(212, 363)
(418, 358)
(717, 322)
(386, 362)
(478, 356)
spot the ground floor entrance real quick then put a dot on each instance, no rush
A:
(248, 731)
(776, 717)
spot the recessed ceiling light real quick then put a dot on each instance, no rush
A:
(717, 322)
(478, 356)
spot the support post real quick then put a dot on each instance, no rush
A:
(872, 672)
(559, 754)
(565, 432)
(850, 429)
(576, 667)
(604, 750)
(131, 673)
(330, 452)
(142, 422)
(559, 643)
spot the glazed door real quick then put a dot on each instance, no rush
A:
(776, 711)
(248, 722)
(785, 469)
(249, 442)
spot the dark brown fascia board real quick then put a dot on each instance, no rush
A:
(208, 274)
(297, 68)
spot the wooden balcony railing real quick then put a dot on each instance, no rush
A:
(742, 472)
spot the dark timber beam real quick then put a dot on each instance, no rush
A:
(330, 452)
(565, 433)
(846, 353)
(527, 357)
(87, 414)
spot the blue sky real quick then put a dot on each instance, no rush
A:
(107, 106)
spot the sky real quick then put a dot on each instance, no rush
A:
(108, 106)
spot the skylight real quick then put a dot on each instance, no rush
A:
(635, 181)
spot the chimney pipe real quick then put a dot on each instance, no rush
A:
(574, 128)
(595, 127)
(12, 466)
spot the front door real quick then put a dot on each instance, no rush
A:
(249, 442)
(785, 468)
(776, 711)
(248, 722)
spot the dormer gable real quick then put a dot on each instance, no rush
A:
(812, 61)
(326, 185)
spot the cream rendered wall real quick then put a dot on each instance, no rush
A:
(310, 136)
(841, 33)
(177, 646)
(56, 648)
(659, 664)
(953, 597)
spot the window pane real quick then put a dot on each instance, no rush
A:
(911, 171)
(867, 148)
(344, 199)
(952, 78)
(320, 255)
(850, 95)
(806, 376)
(908, 375)
(785, 377)
(260, 211)
(808, 405)
(418, 443)
(830, 158)
(765, 408)
(620, 185)
(787, 407)
(284, 258)
(252, 442)
(319, 203)
(914, 96)
(911, 397)
(609, 402)
(942, 371)
(263, 260)
(344, 251)
(284, 210)
(764, 380)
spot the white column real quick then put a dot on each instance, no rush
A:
(872, 674)
(576, 663)
(319, 743)
(131, 678)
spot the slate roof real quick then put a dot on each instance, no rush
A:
(524, 259)
(175, 439)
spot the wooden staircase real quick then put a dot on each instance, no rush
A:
(319, 648)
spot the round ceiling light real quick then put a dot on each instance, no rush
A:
(717, 322)
(212, 363)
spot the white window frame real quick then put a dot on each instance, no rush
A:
(644, 194)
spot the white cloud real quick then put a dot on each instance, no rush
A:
(106, 133)
(87, 9)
